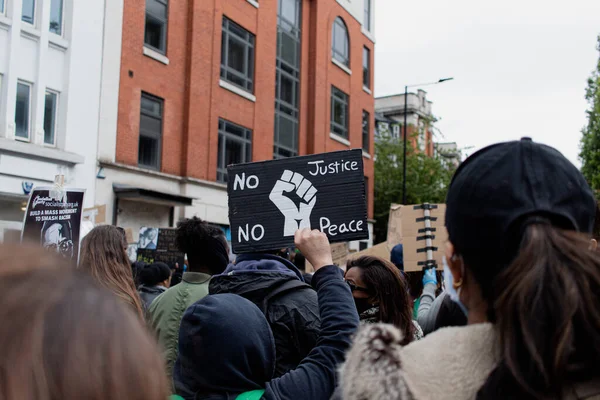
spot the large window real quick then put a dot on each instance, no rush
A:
(155, 33)
(237, 55)
(366, 130)
(340, 45)
(56, 16)
(287, 82)
(366, 67)
(367, 16)
(339, 112)
(23, 110)
(28, 11)
(151, 118)
(50, 112)
(235, 147)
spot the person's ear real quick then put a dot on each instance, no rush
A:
(454, 263)
(593, 245)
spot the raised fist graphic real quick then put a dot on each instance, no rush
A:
(295, 217)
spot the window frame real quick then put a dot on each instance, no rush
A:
(249, 56)
(152, 135)
(338, 95)
(366, 130)
(34, 13)
(343, 56)
(367, 16)
(29, 103)
(55, 116)
(224, 136)
(62, 18)
(165, 22)
(367, 67)
(3, 7)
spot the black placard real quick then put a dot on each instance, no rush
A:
(270, 200)
(53, 219)
(159, 245)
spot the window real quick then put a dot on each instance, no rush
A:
(237, 55)
(340, 48)
(22, 110)
(339, 112)
(235, 147)
(285, 143)
(1, 6)
(50, 108)
(366, 68)
(28, 11)
(151, 116)
(396, 131)
(367, 16)
(56, 16)
(155, 32)
(366, 128)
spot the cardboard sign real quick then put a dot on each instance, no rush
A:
(270, 200)
(159, 245)
(423, 237)
(53, 219)
(339, 255)
(381, 250)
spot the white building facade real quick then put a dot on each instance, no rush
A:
(50, 78)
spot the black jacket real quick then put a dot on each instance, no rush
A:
(276, 286)
(149, 293)
(226, 347)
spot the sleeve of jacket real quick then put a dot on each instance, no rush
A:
(428, 308)
(373, 368)
(316, 377)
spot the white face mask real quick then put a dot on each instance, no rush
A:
(449, 283)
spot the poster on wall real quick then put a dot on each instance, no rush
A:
(159, 245)
(270, 200)
(53, 220)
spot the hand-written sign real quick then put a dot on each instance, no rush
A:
(159, 245)
(270, 200)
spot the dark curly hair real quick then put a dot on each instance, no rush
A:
(204, 244)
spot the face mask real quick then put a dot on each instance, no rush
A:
(362, 305)
(449, 282)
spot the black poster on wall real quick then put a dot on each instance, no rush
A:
(270, 200)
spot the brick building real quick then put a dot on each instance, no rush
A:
(202, 84)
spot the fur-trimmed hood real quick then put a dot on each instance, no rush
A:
(452, 363)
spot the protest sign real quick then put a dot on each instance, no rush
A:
(270, 200)
(421, 230)
(159, 245)
(53, 219)
(339, 255)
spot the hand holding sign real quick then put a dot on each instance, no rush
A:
(315, 247)
(296, 217)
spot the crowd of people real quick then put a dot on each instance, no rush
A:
(513, 312)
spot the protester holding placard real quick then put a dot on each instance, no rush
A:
(520, 265)
(206, 249)
(104, 256)
(227, 350)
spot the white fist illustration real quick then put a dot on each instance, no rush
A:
(295, 217)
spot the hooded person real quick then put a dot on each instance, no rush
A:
(290, 305)
(233, 331)
(207, 252)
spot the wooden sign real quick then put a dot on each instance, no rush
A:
(270, 200)
(421, 230)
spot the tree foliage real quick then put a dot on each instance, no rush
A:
(590, 142)
(427, 179)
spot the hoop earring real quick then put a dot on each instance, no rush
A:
(457, 285)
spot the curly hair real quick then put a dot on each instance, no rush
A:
(204, 244)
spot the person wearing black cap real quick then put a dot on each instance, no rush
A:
(520, 266)
(154, 280)
(208, 254)
(227, 350)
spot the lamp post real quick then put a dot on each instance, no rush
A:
(406, 131)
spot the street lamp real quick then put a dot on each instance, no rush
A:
(406, 132)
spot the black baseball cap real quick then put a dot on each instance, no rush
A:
(497, 190)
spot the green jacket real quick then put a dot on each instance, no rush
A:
(166, 311)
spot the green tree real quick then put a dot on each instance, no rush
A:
(427, 180)
(590, 142)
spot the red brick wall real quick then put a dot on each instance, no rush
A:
(194, 100)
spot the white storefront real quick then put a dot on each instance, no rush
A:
(50, 71)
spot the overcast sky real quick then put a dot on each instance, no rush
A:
(519, 66)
